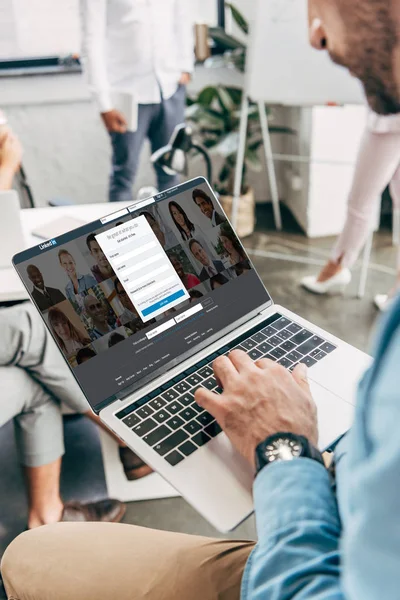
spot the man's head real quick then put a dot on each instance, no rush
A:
(96, 252)
(35, 276)
(84, 354)
(199, 253)
(95, 309)
(114, 339)
(362, 35)
(204, 202)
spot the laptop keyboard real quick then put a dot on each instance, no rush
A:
(174, 425)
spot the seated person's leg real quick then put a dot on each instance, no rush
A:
(39, 435)
(103, 561)
(26, 343)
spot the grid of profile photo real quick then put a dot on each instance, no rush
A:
(208, 254)
(82, 300)
(88, 309)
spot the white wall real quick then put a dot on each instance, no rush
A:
(67, 152)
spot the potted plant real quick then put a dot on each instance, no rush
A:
(215, 115)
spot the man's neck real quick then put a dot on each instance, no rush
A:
(105, 270)
(101, 325)
(39, 289)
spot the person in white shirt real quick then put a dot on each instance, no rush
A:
(143, 50)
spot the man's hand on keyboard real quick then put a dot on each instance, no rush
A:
(259, 399)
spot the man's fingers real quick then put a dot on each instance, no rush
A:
(264, 363)
(224, 370)
(210, 401)
(300, 374)
(240, 360)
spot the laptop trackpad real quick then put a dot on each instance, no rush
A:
(335, 415)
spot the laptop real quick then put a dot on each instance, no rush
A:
(140, 304)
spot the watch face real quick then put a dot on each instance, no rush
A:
(283, 449)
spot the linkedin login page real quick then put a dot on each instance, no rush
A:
(128, 296)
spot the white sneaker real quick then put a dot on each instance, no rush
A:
(334, 285)
(382, 302)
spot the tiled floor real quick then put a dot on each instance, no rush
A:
(346, 317)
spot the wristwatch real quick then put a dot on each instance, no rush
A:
(285, 446)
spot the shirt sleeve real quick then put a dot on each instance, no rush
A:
(184, 24)
(297, 556)
(93, 24)
(371, 546)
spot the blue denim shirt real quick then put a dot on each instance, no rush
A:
(85, 282)
(343, 542)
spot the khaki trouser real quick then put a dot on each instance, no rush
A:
(102, 561)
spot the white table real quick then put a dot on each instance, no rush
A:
(11, 289)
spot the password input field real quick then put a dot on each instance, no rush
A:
(188, 313)
(152, 288)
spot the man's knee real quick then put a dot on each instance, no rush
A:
(20, 564)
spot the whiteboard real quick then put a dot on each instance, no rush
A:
(35, 28)
(282, 68)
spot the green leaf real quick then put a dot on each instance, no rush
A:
(252, 113)
(207, 122)
(253, 161)
(209, 143)
(225, 172)
(235, 94)
(207, 95)
(225, 100)
(239, 19)
(214, 113)
(228, 145)
(281, 129)
(192, 111)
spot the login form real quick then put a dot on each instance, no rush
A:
(142, 267)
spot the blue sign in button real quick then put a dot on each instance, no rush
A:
(161, 303)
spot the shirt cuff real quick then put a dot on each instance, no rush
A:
(187, 64)
(9, 195)
(103, 101)
(290, 491)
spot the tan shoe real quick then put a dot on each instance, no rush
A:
(108, 510)
(134, 467)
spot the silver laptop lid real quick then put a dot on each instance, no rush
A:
(130, 296)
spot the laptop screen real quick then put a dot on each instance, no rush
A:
(130, 295)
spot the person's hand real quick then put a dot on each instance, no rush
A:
(259, 399)
(10, 151)
(184, 79)
(10, 157)
(330, 270)
(114, 121)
